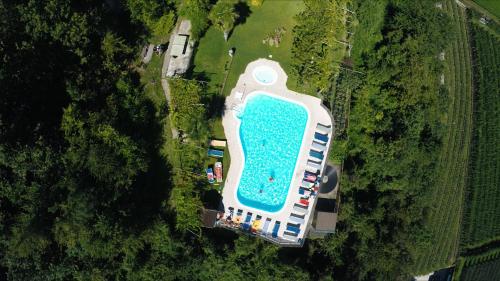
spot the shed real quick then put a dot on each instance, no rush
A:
(179, 45)
(209, 217)
(325, 218)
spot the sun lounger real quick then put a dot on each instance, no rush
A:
(210, 175)
(304, 192)
(238, 217)
(295, 228)
(290, 236)
(246, 224)
(313, 164)
(300, 209)
(231, 212)
(310, 177)
(311, 170)
(215, 153)
(315, 154)
(266, 226)
(307, 184)
(256, 224)
(275, 229)
(323, 128)
(318, 146)
(304, 202)
(218, 143)
(320, 137)
(289, 233)
(296, 218)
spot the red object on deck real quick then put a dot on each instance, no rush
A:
(304, 202)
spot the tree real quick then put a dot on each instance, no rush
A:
(317, 46)
(223, 16)
(158, 16)
(197, 12)
(188, 113)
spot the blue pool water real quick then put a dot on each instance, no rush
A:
(265, 75)
(271, 133)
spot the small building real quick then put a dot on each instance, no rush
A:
(180, 50)
(209, 217)
(326, 209)
(325, 218)
(179, 45)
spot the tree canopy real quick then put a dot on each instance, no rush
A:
(197, 12)
(223, 16)
(93, 186)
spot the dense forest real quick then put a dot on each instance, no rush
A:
(89, 192)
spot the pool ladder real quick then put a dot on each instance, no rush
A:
(236, 107)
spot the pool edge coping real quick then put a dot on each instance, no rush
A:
(317, 112)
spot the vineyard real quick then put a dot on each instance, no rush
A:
(484, 267)
(448, 192)
(482, 212)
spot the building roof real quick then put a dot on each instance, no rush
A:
(179, 44)
(325, 221)
(326, 215)
(209, 217)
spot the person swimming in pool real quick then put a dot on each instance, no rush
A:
(271, 179)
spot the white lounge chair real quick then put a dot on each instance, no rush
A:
(290, 236)
(266, 226)
(218, 143)
(323, 128)
(296, 218)
(313, 164)
(318, 146)
(301, 209)
(311, 170)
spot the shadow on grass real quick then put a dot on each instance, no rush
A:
(215, 106)
(212, 199)
(243, 11)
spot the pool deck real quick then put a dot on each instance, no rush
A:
(317, 114)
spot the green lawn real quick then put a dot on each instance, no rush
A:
(493, 6)
(212, 53)
(151, 79)
(211, 58)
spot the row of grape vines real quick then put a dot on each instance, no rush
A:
(448, 192)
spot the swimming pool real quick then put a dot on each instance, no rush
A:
(271, 133)
(265, 75)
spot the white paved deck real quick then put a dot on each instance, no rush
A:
(317, 114)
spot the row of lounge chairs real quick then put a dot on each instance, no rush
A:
(309, 184)
(256, 226)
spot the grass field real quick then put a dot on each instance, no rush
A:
(448, 193)
(482, 215)
(212, 53)
(493, 6)
(212, 62)
(151, 79)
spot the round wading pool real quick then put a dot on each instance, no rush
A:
(265, 75)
